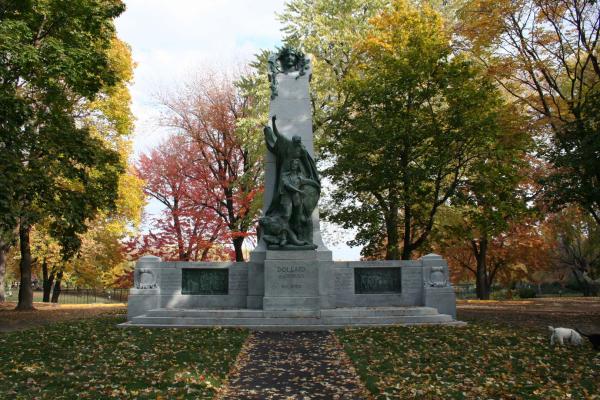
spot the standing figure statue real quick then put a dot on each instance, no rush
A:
(288, 223)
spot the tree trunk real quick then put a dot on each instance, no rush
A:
(56, 290)
(407, 247)
(48, 280)
(237, 245)
(392, 250)
(4, 247)
(204, 256)
(183, 255)
(483, 285)
(25, 289)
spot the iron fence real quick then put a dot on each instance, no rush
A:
(70, 295)
(87, 296)
(467, 291)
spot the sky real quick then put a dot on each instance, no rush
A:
(173, 40)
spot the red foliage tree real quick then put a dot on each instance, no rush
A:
(226, 170)
(520, 253)
(187, 229)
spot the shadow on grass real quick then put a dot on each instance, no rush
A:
(94, 359)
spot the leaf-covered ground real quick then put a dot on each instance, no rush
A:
(51, 313)
(581, 312)
(94, 359)
(479, 361)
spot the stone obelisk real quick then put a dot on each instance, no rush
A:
(291, 279)
(291, 104)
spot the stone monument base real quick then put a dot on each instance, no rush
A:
(263, 320)
(291, 290)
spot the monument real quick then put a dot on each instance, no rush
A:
(287, 223)
(291, 281)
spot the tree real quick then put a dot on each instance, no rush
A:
(492, 201)
(6, 242)
(214, 113)
(328, 30)
(578, 247)
(418, 118)
(545, 54)
(575, 155)
(188, 229)
(520, 251)
(55, 59)
(101, 259)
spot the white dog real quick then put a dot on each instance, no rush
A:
(562, 335)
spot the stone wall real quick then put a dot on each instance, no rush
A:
(422, 282)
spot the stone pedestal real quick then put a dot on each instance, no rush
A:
(441, 298)
(437, 292)
(145, 293)
(296, 283)
(256, 285)
(291, 290)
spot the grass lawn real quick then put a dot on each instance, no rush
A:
(94, 359)
(481, 360)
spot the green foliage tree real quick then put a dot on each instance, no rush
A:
(575, 155)
(418, 119)
(55, 57)
(100, 259)
(491, 199)
(328, 30)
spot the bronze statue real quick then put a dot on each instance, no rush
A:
(285, 60)
(287, 223)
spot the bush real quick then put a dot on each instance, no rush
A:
(527, 293)
(500, 294)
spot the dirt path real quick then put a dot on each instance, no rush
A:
(580, 312)
(47, 313)
(293, 365)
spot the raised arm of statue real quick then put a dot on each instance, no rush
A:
(272, 136)
(277, 134)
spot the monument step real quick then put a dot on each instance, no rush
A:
(377, 311)
(336, 312)
(305, 321)
(292, 327)
(182, 312)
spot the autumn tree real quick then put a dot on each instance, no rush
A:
(101, 260)
(521, 251)
(214, 113)
(55, 164)
(577, 247)
(187, 228)
(545, 54)
(418, 119)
